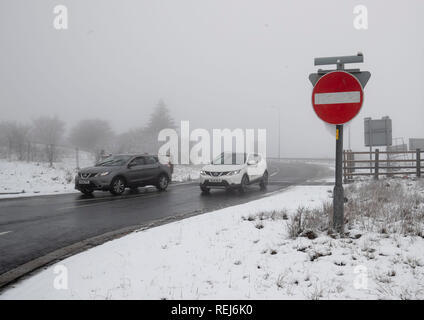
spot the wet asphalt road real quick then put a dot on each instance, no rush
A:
(35, 226)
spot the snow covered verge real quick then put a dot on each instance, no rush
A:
(183, 173)
(18, 178)
(277, 247)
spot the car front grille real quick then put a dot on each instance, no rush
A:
(216, 184)
(216, 174)
(87, 175)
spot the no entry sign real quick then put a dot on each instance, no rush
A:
(337, 97)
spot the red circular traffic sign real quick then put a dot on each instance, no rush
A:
(337, 97)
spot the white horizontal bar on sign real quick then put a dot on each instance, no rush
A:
(338, 97)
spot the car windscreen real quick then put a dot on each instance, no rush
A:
(113, 161)
(230, 158)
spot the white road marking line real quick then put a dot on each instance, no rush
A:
(274, 173)
(5, 232)
(338, 97)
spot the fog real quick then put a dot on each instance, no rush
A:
(216, 63)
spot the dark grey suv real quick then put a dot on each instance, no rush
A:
(118, 172)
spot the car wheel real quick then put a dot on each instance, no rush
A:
(117, 187)
(162, 183)
(244, 183)
(264, 181)
(205, 190)
(87, 192)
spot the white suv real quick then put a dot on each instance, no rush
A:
(234, 171)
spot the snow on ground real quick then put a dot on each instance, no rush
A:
(184, 173)
(239, 253)
(19, 178)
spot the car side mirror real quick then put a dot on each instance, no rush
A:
(251, 163)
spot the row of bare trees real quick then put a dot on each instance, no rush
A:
(16, 138)
(18, 141)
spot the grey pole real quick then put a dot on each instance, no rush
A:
(370, 149)
(349, 138)
(77, 157)
(279, 133)
(338, 192)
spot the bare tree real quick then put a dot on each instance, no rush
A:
(49, 131)
(132, 141)
(14, 138)
(92, 135)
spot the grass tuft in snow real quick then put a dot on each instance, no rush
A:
(386, 207)
(307, 222)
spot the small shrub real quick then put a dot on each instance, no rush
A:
(68, 176)
(281, 281)
(308, 223)
(259, 225)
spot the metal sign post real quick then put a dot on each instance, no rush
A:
(338, 191)
(337, 98)
(377, 133)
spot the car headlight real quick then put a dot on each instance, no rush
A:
(102, 174)
(202, 172)
(232, 173)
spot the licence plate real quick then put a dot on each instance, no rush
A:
(84, 182)
(215, 180)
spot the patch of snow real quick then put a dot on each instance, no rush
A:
(183, 173)
(237, 253)
(19, 178)
(23, 179)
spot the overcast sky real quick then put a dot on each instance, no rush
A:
(217, 63)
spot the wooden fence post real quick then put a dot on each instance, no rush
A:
(376, 164)
(28, 151)
(418, 157)
(51, 146)
(77, 157)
